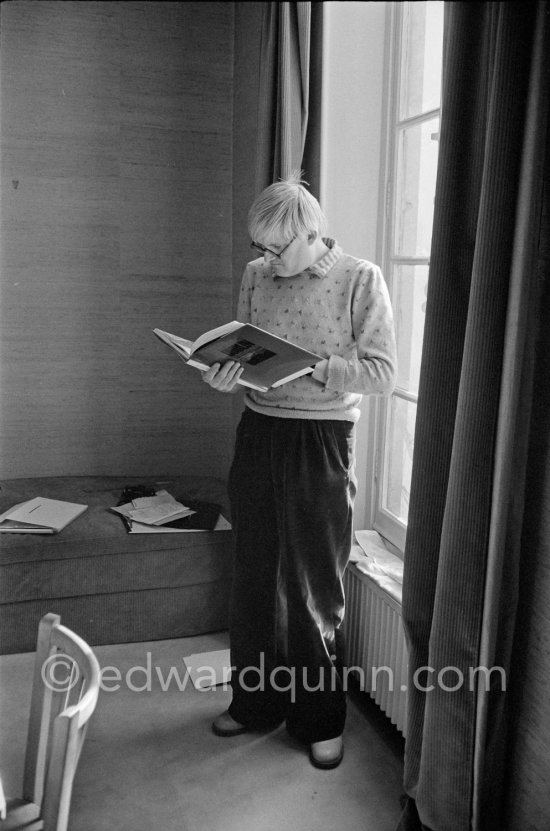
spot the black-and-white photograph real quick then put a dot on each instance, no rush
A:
(293, 571)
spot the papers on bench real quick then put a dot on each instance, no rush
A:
(162, 513)
(154, 510)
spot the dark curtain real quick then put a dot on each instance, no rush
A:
(465, 550)
(289, 93)
(526, 789)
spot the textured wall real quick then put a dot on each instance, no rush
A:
(116, 217)
(248, 25)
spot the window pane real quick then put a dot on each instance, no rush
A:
(422, 47)
(415, 188)
(409, 290)
(398, 457)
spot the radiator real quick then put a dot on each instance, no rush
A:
(375, 640)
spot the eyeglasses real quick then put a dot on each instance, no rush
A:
(263, 250)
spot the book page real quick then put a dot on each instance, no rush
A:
(214, 334)
(267, 359)
(181, 345)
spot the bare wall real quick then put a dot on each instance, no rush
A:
(116, 217)
(248, 24)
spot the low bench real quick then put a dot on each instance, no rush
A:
(108, 585)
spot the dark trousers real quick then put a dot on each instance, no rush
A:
(291, 487)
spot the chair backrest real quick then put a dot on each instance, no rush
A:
(64, 695)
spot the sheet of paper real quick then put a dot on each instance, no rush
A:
(381, 560)
(132, 514)
(161, 497)
(209, 669)
(159, 513)
(138, 528)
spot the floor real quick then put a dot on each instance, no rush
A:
(151, 761)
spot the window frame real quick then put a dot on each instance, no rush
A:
(389, 526)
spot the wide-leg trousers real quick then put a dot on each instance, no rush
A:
(291, 487)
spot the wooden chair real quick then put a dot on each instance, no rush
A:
(64, 695)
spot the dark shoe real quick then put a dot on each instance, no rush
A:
(327, 754)
(225, 725)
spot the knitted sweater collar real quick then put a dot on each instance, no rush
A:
(322, 267)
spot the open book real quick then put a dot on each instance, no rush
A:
(39, 516)
(268, 360)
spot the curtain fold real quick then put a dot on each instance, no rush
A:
(463, 547)
(526, 791)
(288, 91)
(512, 438)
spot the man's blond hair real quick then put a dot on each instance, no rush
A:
(284, 210)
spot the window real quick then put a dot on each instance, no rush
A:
(378, 167)
(415, 60)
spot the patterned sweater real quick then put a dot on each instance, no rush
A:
(338, 308)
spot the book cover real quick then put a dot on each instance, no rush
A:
(40, 516)
(268, 360)
(221, 524)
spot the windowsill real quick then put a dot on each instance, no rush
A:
(373, 558)
(393, 548)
